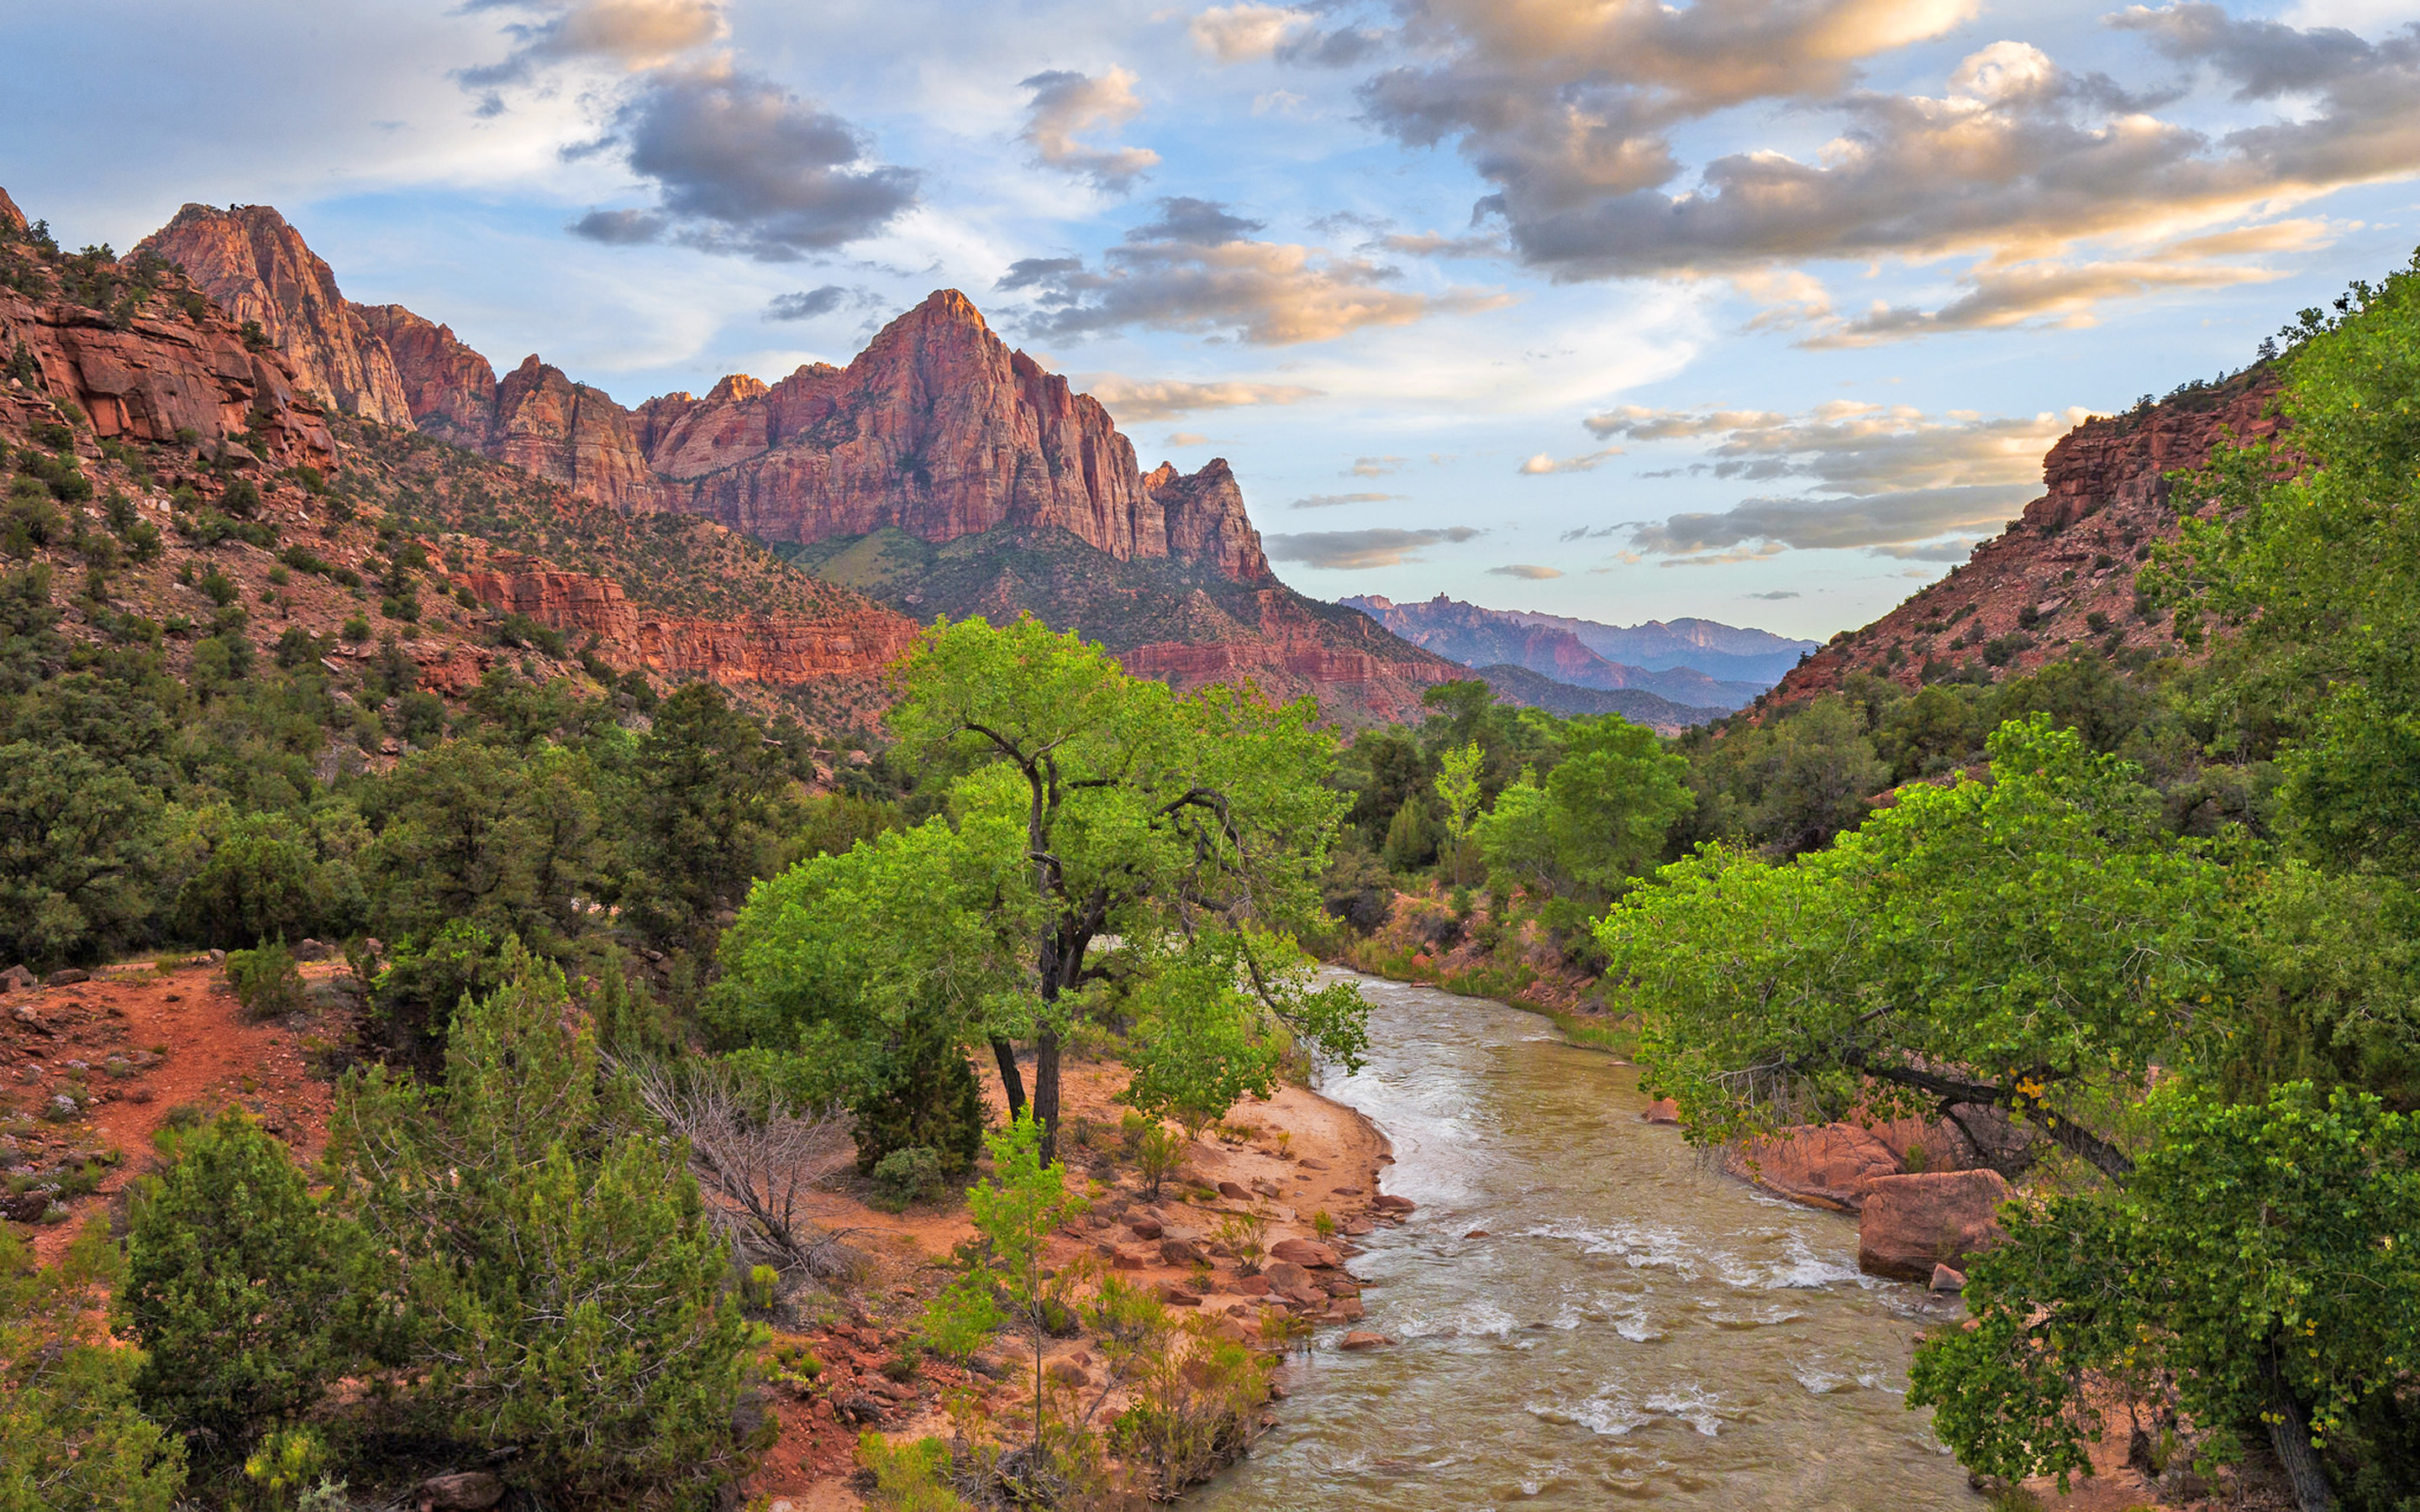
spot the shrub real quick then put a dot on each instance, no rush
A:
(355, 629)
(237, 1287)
(908, 1477)
(71, 1433)
(915, 1173)
(761, 1288)
(221, 588)
(1157, 1154)
(260, 882)
(266, 980)
(240, 499)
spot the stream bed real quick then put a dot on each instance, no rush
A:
(1632, 1327)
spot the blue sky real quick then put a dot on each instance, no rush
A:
(1755, 310)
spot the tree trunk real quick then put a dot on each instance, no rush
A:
(1011, 1083)
(2289, 1435)
(1046, 1091)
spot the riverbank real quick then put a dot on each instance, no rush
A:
(1262, 1178)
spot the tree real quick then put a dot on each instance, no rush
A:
(1791, 783)
(1143, 816)
(71, 1438)
(479, 834)
(1457, 783)
(702, 823)
(2259, 1266)
(237, 1285)
(259, 881)
(1196, 1046)
(1994, 944)
(559, 1282)
(79, 843)
(1601, 815)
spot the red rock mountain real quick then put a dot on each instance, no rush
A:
(256, 268)
(2064, 572)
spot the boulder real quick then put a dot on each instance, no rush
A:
(1145, 1226)
(1389, 1205)
(26, 1207)
(1234, 1192)
(1662, 1110)
(1824, 1165)
(1179, 1252)
(1067, 1373)
(464, 1491)
(1945, 1279)
(1346, 1309)
(17, 979)
(1911, 1224)
(26, 1019)
(312, 951)
(1310, 1254)
(1174, 1295)
(1286, 1276)
(69, 977)
(1361, 1339)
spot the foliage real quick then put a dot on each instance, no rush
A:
(79, 845)
(705, 817)
(1198, 1042)
(1988, 943)
(560, 1284)
(908, 1477)
(239, 1286)
(72, 1436)
(1457, 786)
(266, 980)
(912, 1174)
(2262, 1265)
(1015, 1210)
(1595, 821)
(1158, 1155)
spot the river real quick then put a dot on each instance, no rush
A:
(1632, 1326)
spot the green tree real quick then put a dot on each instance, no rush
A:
(1792, 782)
(1599, 818)
(704, 820)
(259, 880)
(2000, 943)
(2260, 1266)
(559, 1284)
(1143, 816)
(71, 1438)
(237, 1285)
(1198, 1043)
(79, 847)
(1457, 784)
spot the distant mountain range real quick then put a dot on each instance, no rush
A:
(1520, 685)
(1697, 664)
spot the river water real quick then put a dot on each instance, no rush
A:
(1633, 1327)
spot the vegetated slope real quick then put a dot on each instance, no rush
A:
(1519, 684)
(2063, 573)
(205, 495)
(938, 431)
(1166, 617)
(1479, 637)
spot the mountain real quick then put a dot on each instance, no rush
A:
(1555, 647)
(938, 433)
(207, 450)
(1721, 651)
(2064, 571)
(1521, 686)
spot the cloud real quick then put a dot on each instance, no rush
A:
(1999, 297)
(1246, 32)
(1544, 462)
(1433, 244)
(1938, 552)
(1185, 438)
(1135, 401)
(1329, 500)
(1886, 477)
(1778, 594)
(628, 35)
(743, 165)
(1576, 113)
(1065, 103)
(1194, 267)
(808, 303)
(1523, 569)
(1333, 549)
(1373, 467)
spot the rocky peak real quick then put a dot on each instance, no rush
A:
(11, 217)
(1204, 519)
(450, 389)
(257, 268)
(735, 386)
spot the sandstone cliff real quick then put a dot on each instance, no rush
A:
(11, 217)
(449, 389)
(2064, 572)
(256, 268)
(151, 371)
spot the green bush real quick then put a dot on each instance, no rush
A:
(72, 1436)
(356, 628)
(237, 1287)
(240, 499)
(916, 1174)
(265, 980)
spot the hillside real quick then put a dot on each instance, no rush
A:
(935, 433)
(198, 496)
(1520, 685)
(2063, 573)
(1549, 646)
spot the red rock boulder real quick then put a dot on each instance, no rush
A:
(1912, 1223)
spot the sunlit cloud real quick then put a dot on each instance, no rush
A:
(1333, 550)
(1137, 401)
(1065, 103)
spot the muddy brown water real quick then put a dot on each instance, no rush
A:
(1633, 1328)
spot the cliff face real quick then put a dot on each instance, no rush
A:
(159, 373)
(256, 268)
(573, 434)
(449, 389)
(769, 651)
(2065, 572)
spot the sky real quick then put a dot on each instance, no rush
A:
(1758, 310)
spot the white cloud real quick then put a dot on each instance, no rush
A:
(1135, 401)
(1332, 551)
(1064, 104)
(1545, 462)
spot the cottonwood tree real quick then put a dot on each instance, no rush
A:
(1084, 805)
